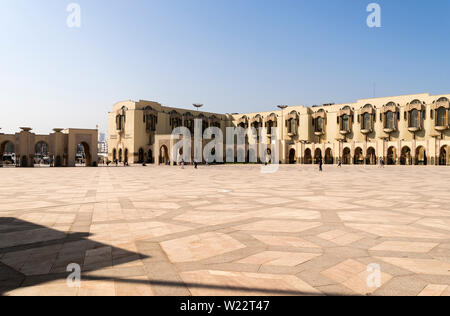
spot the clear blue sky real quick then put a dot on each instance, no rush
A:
(231, 55)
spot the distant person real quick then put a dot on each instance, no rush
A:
(195, 163)
(182, 163)
(340, 163)
(320, 164)
(381, 163)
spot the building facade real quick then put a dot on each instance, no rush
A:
(401, 130)
(60, 148)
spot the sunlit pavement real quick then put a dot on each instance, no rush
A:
(226, 230)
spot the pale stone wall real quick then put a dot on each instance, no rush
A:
(62, 145)
(374, 142)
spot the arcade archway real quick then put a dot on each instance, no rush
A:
(308, 157)
(163, 155)
(443, 156)
(7, 154)
(317, 155)
(405, 158)
(329, 160)
(114, 155)
(150, 156)
(371, 158)
(141, 158)
(83, 156)
(41, 154)
(391, 156)
(292, 159)
(346, 156)
(125, 157)
(421, 156)
(358, 157)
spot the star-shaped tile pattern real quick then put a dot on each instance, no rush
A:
(226, 230)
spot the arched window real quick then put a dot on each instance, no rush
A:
(389, 120)
(319, 125)
(189, 122)
(175, 119)
(214, 121)
(414, 118)
(367, 122)
(441, 117)
(120, 122)
(271, 123)
(205, 123)
(150, 122)
(292, 126)
(345, 123)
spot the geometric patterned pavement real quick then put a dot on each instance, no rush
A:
(225, 230)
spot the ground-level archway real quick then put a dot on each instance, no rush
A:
(329, 160)
(421, 156)
(308, 157)
(292, 159)
(252, 156)
(114, 155)
(163, 155)
(371, 157)
(268, 157)
(443, 156)
(317, 155)
(346, 156)
(141, 155)
(392, 156)
(7, 153)
(41, 154)
(150, 156)
(125, 156)
(83, 155)
(405, 158)
(359, 156)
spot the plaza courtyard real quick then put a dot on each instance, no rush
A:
(225, 230)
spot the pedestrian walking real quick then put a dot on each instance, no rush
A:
(320, 164)
(340, 163)
(195, 163)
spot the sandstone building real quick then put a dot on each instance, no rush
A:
(403, 130)
(59, 148)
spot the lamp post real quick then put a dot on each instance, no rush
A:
(198, 106)
(282, 107)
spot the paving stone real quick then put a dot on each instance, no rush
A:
(225, 230)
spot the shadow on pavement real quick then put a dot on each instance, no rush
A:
(32, 254)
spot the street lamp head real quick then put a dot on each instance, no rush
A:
(282, 106)
(197, 105)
